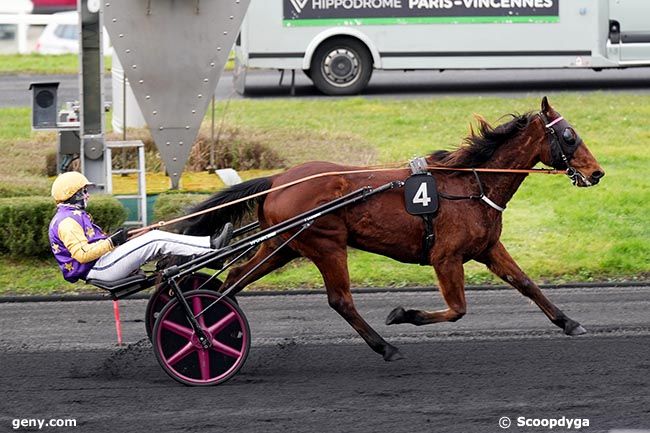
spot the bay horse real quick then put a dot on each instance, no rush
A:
(464, 229)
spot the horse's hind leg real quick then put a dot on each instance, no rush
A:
(279, 259)
(333, 266)
(451, 279)
(503, 265)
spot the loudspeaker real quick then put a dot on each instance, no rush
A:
(44, 105)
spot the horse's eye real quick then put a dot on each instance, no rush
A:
(569, 136)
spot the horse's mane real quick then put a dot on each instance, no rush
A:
(478, 148)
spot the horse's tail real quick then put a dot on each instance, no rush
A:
(207, 223)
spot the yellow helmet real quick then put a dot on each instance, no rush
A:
(67, 184)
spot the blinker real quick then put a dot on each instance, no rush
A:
(569, 136)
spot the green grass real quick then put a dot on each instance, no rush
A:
(52, 64)
(43, 64)
(556, 232)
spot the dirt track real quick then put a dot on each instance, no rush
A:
(506, 360)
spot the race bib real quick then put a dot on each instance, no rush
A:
(420, 194)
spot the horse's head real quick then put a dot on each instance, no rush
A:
(565, 150)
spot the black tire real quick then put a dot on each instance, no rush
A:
(163, 295)
(341, 66)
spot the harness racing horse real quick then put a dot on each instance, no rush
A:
(464, 229)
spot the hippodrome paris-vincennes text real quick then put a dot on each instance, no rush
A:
(429, 4)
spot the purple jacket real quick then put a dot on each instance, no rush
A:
(72, 269)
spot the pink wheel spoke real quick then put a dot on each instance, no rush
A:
(204, 364)
(217, 327)
(163, 298)
(196, 308)
(226, 350)
(182, 353)
(177, 329)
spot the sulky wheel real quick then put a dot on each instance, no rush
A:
(163, 294)
(182, 356)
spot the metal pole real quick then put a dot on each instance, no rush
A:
(91, 95)
(109, 170)
(142, 186)
(123, 105)
(123, 153)
(212, 168)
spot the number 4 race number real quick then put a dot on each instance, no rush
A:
(420, 194)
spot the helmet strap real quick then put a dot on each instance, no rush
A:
(79, 199)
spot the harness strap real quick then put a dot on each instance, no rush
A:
(428, 240)
(481, 196)
(492, 204)
(558, 120)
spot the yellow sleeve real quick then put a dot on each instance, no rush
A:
(73, 237)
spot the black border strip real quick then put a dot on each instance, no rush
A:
(635, 37)
(440, 54)
(484, 53)
(275, 55)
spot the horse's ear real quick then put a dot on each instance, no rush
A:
(546, 107)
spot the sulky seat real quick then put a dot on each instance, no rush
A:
(118, 285)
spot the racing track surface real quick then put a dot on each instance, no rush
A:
(309, 372)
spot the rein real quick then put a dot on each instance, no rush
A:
(140, 231)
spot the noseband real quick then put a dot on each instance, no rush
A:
(563, 141)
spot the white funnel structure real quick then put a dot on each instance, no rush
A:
(173, 53)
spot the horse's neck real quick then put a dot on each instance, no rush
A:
(516, 154)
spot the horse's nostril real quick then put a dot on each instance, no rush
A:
(597, 174)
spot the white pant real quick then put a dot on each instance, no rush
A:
(128, 257)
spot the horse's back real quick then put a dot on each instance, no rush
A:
(378, 224)
(325, 181)
(303, 196)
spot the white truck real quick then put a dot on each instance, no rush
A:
(338, 43)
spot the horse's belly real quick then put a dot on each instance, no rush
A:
(399, 238)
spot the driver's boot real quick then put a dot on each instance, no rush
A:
(222, 238)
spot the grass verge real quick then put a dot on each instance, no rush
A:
(60, 64)
(40, 64)
(555, 232)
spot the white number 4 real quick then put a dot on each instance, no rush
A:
(422, 196)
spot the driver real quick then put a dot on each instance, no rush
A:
(84, 251)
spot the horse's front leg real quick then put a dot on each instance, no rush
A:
(451, 279)
(334, 269)
(499, 261)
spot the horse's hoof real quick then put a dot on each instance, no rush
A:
(392, 353)
(575, 329)
(396, 316)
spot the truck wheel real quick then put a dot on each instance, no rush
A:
(341, 67)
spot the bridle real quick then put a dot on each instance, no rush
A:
(563, 141)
